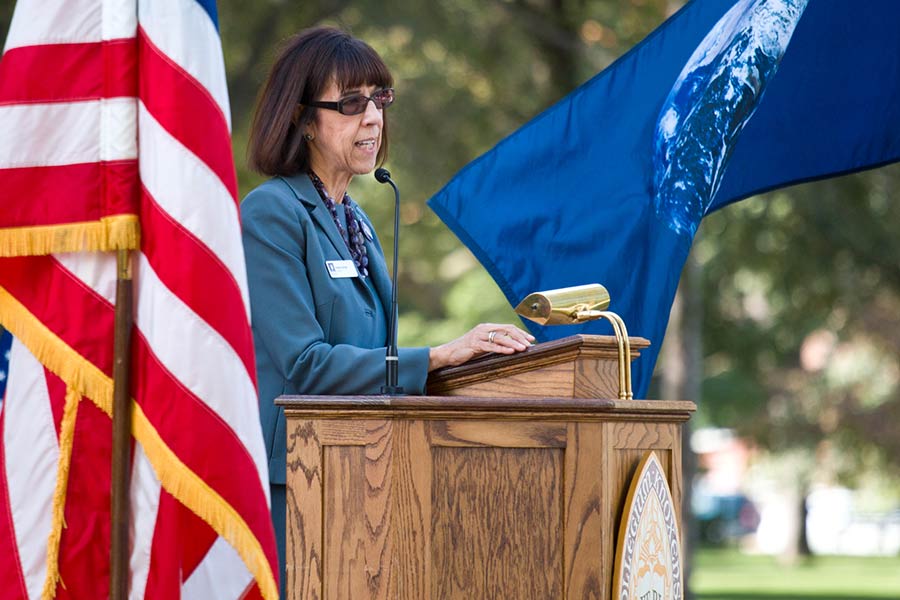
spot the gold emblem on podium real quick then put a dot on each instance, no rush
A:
(648, 552)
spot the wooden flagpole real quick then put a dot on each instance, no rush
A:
(121, 429)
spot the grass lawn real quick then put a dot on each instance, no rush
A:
(730, 575)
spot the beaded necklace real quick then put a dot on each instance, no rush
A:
(353, 237)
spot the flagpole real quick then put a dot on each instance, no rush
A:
(121, 429)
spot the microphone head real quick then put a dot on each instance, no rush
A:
(382, 175)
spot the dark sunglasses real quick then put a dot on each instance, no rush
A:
(356, 104)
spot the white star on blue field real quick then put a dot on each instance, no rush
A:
(5, 343)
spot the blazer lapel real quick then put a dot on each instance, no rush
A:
(306, 193)
(378, 269)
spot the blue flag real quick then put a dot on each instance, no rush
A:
(725, 100)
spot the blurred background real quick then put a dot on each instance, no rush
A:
(786, 328)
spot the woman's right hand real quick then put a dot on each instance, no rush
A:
(481, 339)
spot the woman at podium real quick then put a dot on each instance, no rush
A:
(319, 285)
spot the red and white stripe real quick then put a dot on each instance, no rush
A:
(30, 451)
(119, 110)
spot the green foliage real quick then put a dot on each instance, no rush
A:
(802, 288)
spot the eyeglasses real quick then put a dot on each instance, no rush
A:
(358, 103)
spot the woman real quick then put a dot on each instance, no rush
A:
(319, 286)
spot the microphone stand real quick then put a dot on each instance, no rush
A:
(392, 386)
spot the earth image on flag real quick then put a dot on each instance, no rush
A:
(711, 102)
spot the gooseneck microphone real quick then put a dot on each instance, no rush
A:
(391, 385)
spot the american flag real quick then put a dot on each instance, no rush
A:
(5, 343)
(114, 134)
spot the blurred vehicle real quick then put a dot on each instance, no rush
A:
(723, 519)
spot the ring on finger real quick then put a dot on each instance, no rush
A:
(491, 336)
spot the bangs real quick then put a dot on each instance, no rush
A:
(356, 65)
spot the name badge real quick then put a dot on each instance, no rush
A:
(340, 269)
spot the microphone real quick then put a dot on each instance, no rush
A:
(391, 385)
(382, 175)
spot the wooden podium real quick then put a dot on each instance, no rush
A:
(508, 486)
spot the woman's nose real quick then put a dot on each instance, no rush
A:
(372, 115)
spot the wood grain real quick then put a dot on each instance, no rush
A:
(352, 408)
(547, 369)
(412, 512)
(304, 512)
(643, 435)
(357, 500)
(555, 380)
(414, 498)
(675, 476)
(498, 434)
(584, 515)
(497, 523)
(596, 378)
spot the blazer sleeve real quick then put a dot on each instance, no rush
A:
(284, 309)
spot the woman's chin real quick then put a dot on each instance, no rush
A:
(365, 156)
(364, 167)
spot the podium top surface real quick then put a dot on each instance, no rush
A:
(364, 407)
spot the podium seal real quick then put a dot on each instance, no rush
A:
(648, 552)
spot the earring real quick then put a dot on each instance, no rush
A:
(308, 137)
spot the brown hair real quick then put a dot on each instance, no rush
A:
(303, 68)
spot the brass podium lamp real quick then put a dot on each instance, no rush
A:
(579, 304)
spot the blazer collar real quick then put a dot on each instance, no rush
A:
(306, 193)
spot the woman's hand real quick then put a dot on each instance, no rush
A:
(481, 339)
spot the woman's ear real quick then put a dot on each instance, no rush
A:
(295, 118)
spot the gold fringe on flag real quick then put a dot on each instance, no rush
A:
(79, 373)
(205, 502)
(119, 232)
(66, 439)
(176, 478)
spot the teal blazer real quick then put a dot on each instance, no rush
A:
(313, 334)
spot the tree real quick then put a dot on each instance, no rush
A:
(802, 289)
